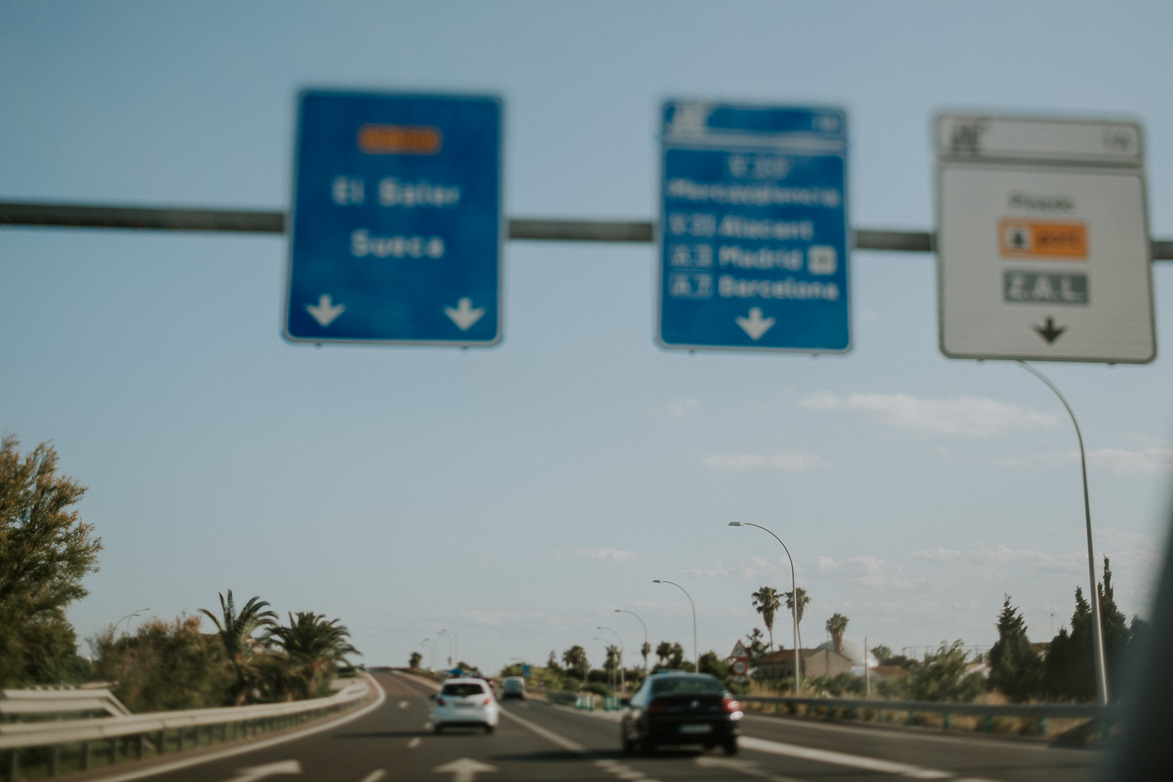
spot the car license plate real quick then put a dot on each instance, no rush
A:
(465, 705)
(701, 728)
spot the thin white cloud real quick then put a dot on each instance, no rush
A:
(715, 570)
(740, 462)
(607, 554)
(683, 407)
(1149, 461)
(962, 416)
(1121, 461)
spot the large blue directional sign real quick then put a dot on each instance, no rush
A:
(397, 227)
(753, 232)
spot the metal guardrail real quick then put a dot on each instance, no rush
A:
(117, 731)
(16, 704)
(1036, 713)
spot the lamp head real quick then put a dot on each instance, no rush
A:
(735, 524)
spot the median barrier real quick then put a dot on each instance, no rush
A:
(1030, 718)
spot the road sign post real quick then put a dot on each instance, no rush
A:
(753, 230)
(397, 222)
(1042, 240)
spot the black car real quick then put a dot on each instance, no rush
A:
(680, 708)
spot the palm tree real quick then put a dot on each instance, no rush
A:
(236, 636)
(835, 626)
(312, 647)
(612, 663)
(803, 599)
(767, 601)
(576, 660)
(663, 652)
(645, 650)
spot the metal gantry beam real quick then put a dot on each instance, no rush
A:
(533, 229)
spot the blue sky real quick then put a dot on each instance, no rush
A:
(518, 495)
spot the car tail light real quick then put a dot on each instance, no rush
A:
(439, 701)
(657, 707)
(732, 708)
(487, 701)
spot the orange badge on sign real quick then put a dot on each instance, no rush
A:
(1044, 240)
(399, 140)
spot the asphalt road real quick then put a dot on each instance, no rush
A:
(536, 741)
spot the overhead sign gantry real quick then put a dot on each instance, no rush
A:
(753, 229)
(397, 222)
(1042, 240)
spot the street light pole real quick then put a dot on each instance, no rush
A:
(645, 627)
(695, 653)
(1098, 648)
(794, 593)
(622, 676)
(453, 648)
(128, 617)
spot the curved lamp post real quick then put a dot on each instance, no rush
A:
(794, 592)
(1098, 647)
(430, 644)
(454, 649)
(695, 655)
(130, 616)
(622, 676)
(645, 627)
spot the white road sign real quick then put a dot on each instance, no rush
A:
(1042, 240)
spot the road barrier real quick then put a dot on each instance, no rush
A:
(74, 744)
(1034, 715)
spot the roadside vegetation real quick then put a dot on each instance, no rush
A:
(45, 552)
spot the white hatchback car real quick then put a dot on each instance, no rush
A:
(465, 702)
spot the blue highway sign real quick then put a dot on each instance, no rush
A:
(397, 228)
(753, 230)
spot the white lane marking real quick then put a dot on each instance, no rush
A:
(747, 767)
(413, 743)
(464, 770)
(404, 704)
(267, 770)
(374, 776)
(842, 759)
(380, 699)
(549, 735)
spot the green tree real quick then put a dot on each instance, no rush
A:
(45, 552)
(575, 659)
(163, 666)
(882, 653)
(313, 648)
(645, 650)
(236, 631)
(663, 652)
(803, 601)
(413, 662)
(712, 664)
(836, 626)
(754, 646)
(941, 676)
(676, 661)
(767, 601)
(1016, 669)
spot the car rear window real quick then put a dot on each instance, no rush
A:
(463, 690)
(687, 685)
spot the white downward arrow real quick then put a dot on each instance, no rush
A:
(463, 315)
(755, 325)
(325, 311)
(463, 770)
(259, 772)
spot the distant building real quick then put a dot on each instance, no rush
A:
(815, 663)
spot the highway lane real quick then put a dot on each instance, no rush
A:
(537, 741)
